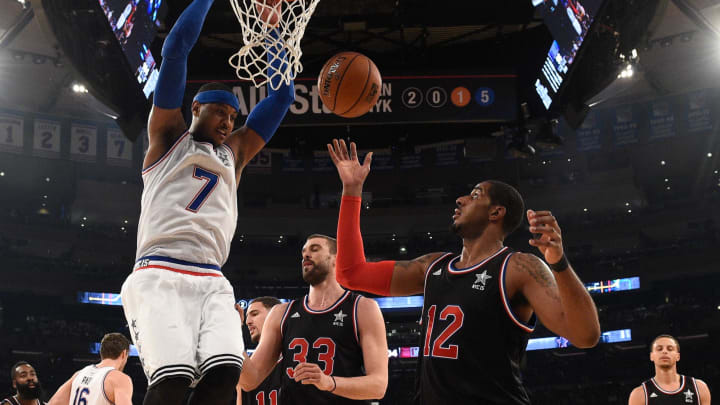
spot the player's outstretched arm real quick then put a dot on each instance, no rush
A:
(395, 278)
(119, 388)
(62, 395)
(637, 397)
(265, 118)
(371, 334)
(258, 366)
(166, 122)
(559, 298)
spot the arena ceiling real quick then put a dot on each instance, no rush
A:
(411, 35)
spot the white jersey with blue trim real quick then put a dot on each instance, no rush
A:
(189, 203)
(89, 385)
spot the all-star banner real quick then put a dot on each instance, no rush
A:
(403, 99)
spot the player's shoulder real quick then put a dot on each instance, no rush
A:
(278, 311)
(637, 396)
(366, 304)
(526, 263)
(116, 376)
(700, 383)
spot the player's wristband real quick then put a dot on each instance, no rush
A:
(560, 266)
(334, 383)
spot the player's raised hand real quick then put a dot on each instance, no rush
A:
(549, 242)
(351, 172)
(310, 373)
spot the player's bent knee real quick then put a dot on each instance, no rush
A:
(170, 391)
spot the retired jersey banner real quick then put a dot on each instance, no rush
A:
(11, 133)
(403, 99)
(83, 143)
(261, 163)
(119, 149)
(46, 139)
(662, 120)
(588, 136)
(625, 127)
(698, 114)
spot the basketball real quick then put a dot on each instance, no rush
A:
(349, 84)
(269, 11)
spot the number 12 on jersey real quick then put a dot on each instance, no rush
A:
(439, 349)
(211, 180)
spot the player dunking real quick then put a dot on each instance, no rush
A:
(267, 391)
(332, 341)
(103, 383)
(668, 387)
(479, 305)
(177, 302)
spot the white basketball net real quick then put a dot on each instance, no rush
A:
(290, 17)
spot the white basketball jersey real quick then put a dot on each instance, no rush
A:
(189, 203)
(89, 385)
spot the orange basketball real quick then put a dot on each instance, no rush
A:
(349, 84)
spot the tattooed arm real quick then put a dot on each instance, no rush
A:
(560, 300)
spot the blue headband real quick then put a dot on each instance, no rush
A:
(218, 96)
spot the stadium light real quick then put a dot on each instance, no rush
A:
(79, 88)
(626, 73)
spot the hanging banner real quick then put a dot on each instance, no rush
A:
(261, 163)
(381, 159)
(588, 135)
(11, 133)
(83, 143)
(119, 149)
(46, 139)
(321, 162)
(403, 99)
(292, 164)
(448, 154)
(410, 160)
(698, 114)
(625, 127)
(662, 120)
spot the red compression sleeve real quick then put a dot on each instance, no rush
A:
(352, 270)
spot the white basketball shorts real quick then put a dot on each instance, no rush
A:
(182, 318)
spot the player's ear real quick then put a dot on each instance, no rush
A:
(195, 108)
(497, 212)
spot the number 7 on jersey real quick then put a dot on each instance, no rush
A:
(211, 180)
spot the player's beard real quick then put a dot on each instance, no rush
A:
(27, 392)
(316, 275)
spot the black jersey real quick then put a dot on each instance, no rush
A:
(13, 401)
(686, 394)
(267, 392)
(328, 338)
(472, 343)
